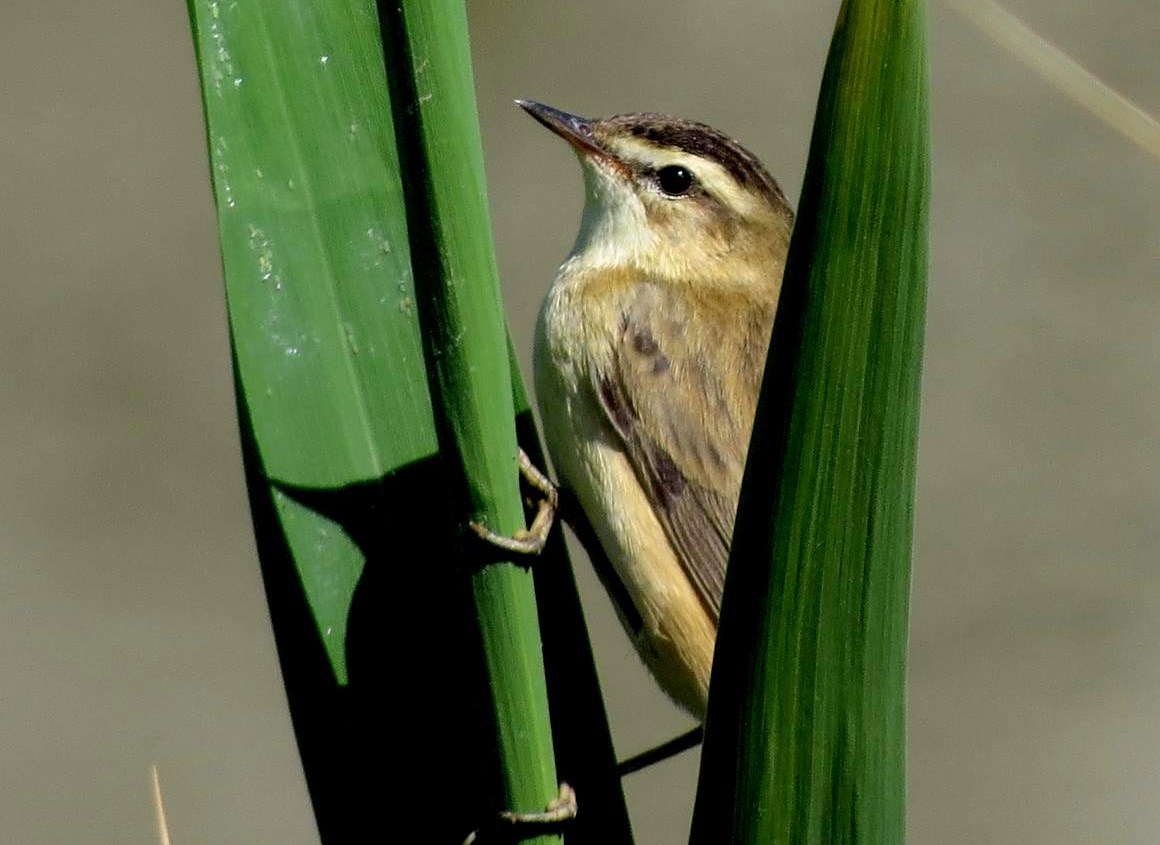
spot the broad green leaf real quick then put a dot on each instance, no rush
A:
(318, 279)
(805, 741)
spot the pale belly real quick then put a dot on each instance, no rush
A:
(676, 634)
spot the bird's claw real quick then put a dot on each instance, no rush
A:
(532, 540)
(512, 827)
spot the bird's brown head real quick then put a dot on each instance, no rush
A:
(674, 198)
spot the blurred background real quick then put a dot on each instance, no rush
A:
(132, 619)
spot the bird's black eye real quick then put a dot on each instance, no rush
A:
(675, 180)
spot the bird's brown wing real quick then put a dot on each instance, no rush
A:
(681, 392)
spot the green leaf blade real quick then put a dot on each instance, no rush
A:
(318, 274)
(809, 674)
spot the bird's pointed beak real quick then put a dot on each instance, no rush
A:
(577, 131)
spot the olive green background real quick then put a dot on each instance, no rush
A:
(132, 625)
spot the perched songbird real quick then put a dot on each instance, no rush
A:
(649, 354)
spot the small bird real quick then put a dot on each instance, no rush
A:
(649, 352)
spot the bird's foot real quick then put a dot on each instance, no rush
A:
(512, 827)
(532, 540)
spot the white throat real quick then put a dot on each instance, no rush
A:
(614, 231)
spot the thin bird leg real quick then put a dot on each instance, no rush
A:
(532, 540)
(662, 752)
(512, 827)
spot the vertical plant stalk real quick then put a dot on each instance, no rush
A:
(457, 292)
(805, 740)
